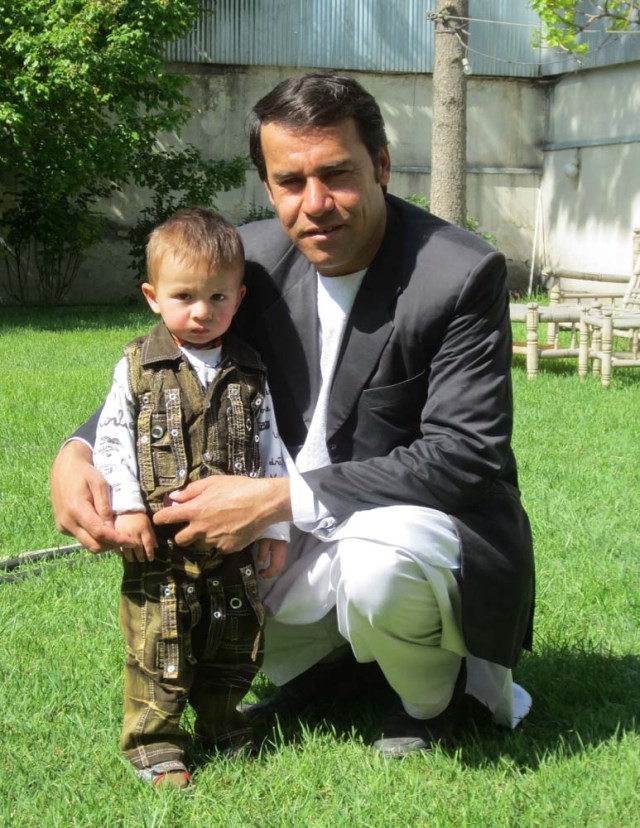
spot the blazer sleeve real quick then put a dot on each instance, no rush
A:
(465, 422)
(87, 431)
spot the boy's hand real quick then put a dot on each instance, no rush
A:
(140, 539)
(272, 556)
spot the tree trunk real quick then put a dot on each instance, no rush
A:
(449, 135)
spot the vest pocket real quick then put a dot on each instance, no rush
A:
(162, 455)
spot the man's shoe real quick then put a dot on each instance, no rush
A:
(324, 686)
(402, 735)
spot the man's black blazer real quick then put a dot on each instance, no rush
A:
(420, 410)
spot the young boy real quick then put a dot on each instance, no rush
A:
(188, 400)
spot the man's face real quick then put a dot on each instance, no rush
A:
(327, 193)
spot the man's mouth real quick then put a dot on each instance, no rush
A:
(321, 232)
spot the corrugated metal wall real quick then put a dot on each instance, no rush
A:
(370, 35)
(376, 35)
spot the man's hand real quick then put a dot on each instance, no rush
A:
(272, 556)
(226, 512)
(80, 499)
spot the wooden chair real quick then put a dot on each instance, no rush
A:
(602, 288)
(597, 336)
(534, 315)
(601, 329)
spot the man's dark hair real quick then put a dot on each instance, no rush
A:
(319, 99)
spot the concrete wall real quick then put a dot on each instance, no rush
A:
(590, 194)
(506, 121)
(509, 121)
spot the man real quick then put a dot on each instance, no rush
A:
(386, 334)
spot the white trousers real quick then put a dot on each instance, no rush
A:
(384, 582)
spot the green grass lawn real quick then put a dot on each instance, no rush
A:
(574, 761)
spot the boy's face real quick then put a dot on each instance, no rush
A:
(196, 300)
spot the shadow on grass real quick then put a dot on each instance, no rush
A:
(621, 377)
(558, 367)
(580, 700)
(72, 317)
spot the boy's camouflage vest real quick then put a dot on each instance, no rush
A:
(185, 432)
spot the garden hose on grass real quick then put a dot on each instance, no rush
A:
(10, 564)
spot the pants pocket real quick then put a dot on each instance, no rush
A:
(237, 614)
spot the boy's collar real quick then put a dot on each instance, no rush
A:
(213, 343)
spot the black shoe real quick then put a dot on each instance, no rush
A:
(324, 687)
(402, 735)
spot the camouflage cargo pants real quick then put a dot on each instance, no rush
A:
(196, 640)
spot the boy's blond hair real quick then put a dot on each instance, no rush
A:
(194, 234)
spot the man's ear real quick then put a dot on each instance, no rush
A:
(149, 293)
(384, 166)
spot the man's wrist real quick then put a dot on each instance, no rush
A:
(276, 500)
(79, 447)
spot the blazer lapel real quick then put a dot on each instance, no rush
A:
(368, 329)
(292, 323)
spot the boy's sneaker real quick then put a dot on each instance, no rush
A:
(171, 774)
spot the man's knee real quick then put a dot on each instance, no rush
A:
(375, 584)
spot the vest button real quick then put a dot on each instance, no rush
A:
(157, 432)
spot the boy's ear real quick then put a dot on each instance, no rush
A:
(149, 293)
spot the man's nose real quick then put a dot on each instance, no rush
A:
(318, 198)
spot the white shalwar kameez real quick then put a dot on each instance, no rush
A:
(382, 580)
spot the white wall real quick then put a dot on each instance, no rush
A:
(505, 130)
(594, 119)
(586, 222)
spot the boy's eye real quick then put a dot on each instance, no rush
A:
(218, 297)
(183, 297)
